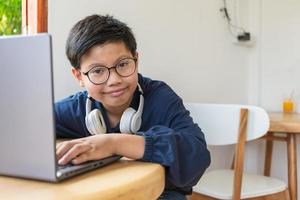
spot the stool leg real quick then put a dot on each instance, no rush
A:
(268, 156)
(292, 165)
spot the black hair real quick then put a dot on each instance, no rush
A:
(97, 30)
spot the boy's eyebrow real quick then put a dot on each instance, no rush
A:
(103, 65)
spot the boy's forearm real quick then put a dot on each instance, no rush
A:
(130, 146)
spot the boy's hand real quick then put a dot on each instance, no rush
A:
(81, 150)
(100, 146)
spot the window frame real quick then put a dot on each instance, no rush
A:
(34, 16)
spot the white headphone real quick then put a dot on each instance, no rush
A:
(130, 120)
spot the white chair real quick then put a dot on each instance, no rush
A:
(234, 124)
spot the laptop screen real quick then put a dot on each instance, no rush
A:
(27, 145)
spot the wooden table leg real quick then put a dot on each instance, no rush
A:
(292, 165)
(268, 156)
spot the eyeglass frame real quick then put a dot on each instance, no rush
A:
(109, 68)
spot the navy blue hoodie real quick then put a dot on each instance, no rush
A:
(172, 139)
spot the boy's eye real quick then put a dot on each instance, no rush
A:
(122, 64)
(98, 70)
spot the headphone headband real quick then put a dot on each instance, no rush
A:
(140, 88)
(141, 104)
(88, 105)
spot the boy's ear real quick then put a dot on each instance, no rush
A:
(77, 75)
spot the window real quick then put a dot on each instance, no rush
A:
(23, 16)
(34, 16)
(10, 17)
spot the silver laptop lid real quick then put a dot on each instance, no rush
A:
(27, 147)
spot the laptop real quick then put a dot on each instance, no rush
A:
(27, 124)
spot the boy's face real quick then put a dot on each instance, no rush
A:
(117, 91)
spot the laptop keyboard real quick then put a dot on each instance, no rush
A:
(64, 166)
(70, 169)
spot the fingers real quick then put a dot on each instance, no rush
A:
(84, 149)
(81, 158)
(64, 147)
(75, 151)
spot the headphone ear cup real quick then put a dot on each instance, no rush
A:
(95, 122)
(126, 119)
(136, 122)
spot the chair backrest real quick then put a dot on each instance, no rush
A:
(225, 124)
(220, 122)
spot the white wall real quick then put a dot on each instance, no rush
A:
(187, 44)
(275, 60)
(280, 52)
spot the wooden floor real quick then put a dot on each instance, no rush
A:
(279, 196)
(196, 196)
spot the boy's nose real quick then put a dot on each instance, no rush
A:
(114, 77)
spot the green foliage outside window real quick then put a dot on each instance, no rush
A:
(10, 17)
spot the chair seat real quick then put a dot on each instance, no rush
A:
(219, 184)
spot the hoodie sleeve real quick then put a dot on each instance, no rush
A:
(175, 142)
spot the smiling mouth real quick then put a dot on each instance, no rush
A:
(116, 93)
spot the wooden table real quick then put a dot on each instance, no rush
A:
(284, 127)
(121, 180)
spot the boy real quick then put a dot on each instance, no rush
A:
(102, 52)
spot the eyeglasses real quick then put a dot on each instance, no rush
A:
(100, 74)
